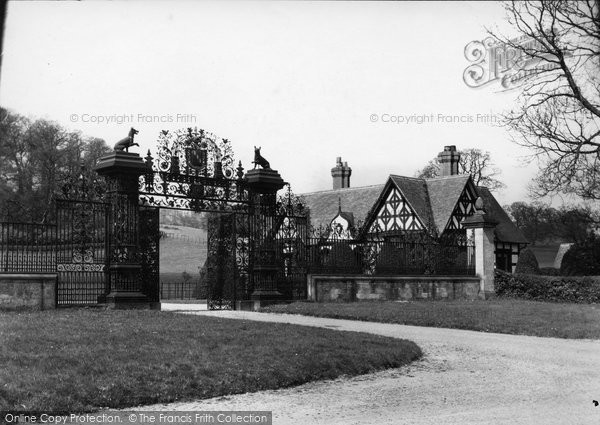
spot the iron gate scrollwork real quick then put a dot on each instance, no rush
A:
(220, 265)
(193, 170)
(253, 253)
(150, 253)
(255, 243)
(81, 255)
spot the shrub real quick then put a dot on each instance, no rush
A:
(547, 288)
(342, 259)
(390, 260)
(549, 271)
(527, 263)
(582, 259)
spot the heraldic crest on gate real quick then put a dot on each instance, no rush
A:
(193, 170)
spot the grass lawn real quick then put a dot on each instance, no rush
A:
(499, 315)
(83, 359)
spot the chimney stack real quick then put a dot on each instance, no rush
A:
(449, 161)
(341, 174)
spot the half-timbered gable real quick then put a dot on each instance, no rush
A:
(445, 196)
(465, 207)
(394, 214)
(437, 206)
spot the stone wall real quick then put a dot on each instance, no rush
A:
(347, 288)
(27, 291)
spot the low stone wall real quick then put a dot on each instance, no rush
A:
(27, 291)
(324, 288)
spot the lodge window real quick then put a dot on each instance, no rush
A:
(504, 259)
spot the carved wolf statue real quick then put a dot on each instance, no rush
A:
(259, 160)
(127, 142)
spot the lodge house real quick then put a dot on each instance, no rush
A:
(408, 204)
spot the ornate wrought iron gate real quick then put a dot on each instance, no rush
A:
(220, 263)
(81, 251)
(248, 254)
(150, 253)
(252, 240)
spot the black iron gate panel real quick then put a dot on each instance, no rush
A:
(81, 251)
(291, 246)
(221, 271)
(243, 259)
(150, 252)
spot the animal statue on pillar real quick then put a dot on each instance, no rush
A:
(127, 142)
(260, 160)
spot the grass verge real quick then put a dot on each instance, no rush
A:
(83, 359)
(509, 316)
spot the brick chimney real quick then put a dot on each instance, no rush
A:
(449, 161)
(341, 174)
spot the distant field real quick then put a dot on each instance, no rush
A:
(182, 249)
(189, 232)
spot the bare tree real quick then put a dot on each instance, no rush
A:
(558, 110)
(472, 161)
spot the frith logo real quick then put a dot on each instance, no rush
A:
(509, 63)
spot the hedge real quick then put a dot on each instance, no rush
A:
(582, 258)
(527, 263)
(548, 288)
(549, 271)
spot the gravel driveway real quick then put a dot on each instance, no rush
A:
(465, 377)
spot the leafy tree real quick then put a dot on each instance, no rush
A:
(582, 258)
(541, 223)
(558, 111)
(535, 220)
(472, 161)
(38, 157)
(16, 170)
(574, 224)
(430, 171)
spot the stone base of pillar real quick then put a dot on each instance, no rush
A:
(266, 295)
(264, 181)
(254, 305)
(266, 285)
(487, 295)
(121, 300)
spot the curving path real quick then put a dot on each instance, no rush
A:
(465, 377)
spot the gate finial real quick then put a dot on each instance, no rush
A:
(260, 160)
(127, 142)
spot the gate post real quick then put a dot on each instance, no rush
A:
(121, 171)
(263, 185)
(483, 227)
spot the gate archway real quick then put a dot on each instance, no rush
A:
(248, 227)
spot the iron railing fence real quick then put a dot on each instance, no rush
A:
(27, 247)
(183, 290)
(389, 257)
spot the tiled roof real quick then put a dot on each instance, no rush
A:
(506, 230)
(443, 196)
(432, 199)
(415, 192)
(348, 216)
(324, 205)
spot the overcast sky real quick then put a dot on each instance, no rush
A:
(306, 81)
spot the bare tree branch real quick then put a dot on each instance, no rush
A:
(557, 114)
